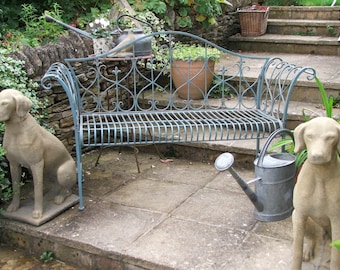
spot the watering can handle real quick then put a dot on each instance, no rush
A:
(127, 15)
(269, 140)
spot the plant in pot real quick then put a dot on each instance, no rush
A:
(192, 69)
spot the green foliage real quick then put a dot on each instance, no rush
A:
(336, 244)
(94, 13)
(203, 11)
(37, 30)
(326, 101)
(288, 143)
(300, 2)
(5, 184)
(47, 256)
(15, 14)
(157, 26)
(307, 32)
(159, 7)
(333, 32)
(194, 52)
(217, 90)
(315, 2)
(281, 2)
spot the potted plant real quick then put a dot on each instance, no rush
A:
(192, 69)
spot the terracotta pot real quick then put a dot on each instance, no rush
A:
(192, 79)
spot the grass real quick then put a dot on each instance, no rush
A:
(317, 2)
(301, 2)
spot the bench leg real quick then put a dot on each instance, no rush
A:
(99, 155)
(156, 147)
(136, 151)
(80, 176)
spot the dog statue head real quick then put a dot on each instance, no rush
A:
(321, 137)
(13, 105)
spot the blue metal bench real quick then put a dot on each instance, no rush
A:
(128, 100)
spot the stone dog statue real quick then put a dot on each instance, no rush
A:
(316, 196)
(29, 145)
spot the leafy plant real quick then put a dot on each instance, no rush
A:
(75, 12)
(332, 31)
(37, 30)
(203, 11)
(47, 256)
(288, 143)
(336, 244)
(308, 32)
(217, 90)
(194, 52)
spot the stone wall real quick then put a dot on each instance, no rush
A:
(37, 61)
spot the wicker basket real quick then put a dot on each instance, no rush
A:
(253, 20)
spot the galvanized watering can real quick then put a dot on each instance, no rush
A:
(141, 48)
(274, 181)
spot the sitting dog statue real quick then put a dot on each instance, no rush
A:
(29, 145)
(316, 196)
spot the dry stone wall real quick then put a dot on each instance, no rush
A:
(37, 60)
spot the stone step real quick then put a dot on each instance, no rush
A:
(286, 44)
(304, 27)
(327, 69)
(306, 13)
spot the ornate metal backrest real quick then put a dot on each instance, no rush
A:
(117, 81)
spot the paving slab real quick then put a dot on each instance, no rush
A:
(182, 215)
(24, 213)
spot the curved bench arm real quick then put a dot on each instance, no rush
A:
(59, 73)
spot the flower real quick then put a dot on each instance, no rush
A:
(100, 28)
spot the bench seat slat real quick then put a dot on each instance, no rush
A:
(170, 126)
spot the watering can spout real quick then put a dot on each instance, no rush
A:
(224, 162)
(49, 18)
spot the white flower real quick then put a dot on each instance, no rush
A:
(91, 24)
(104, 22)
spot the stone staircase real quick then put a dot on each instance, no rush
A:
(306, 36)
(302, 30)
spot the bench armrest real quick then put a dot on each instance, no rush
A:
(59, 73)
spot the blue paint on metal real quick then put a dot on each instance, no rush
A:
(123, 100)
